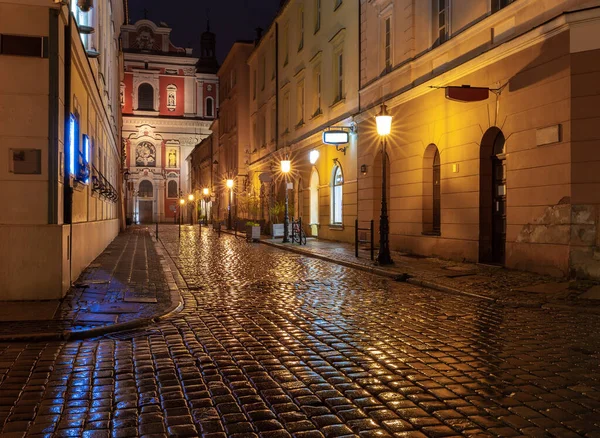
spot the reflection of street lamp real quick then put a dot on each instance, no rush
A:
(384, 127)
(230, 187)
(286, 166)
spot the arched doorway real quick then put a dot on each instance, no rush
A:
(492, 198)
(145, 202)
(314, 203)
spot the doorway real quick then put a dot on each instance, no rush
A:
(492, 198)
(314, 204)
(145, 208)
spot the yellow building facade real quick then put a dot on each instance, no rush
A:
(509, 178)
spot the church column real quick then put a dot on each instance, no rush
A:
(161, 200)
(189, 94)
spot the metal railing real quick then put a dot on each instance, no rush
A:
(370, 241)
(102, 186)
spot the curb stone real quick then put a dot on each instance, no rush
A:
(71, 335)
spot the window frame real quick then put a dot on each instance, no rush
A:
(317, 23)
(151, 101)
(176, 189)
(337, 196)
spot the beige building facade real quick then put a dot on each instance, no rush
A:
(303, 81)
(510, 178)
(60, 148)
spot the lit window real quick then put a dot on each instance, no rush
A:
(209, 107)
(337, 193)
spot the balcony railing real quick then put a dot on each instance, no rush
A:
(102, 187)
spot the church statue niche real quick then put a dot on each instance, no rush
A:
(172, 158)
(145, 39)
(171, 97)
(145, 155)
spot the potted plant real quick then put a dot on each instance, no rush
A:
(252, 231)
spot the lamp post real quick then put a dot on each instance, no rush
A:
(181, 204)
(191, 199)
(230, 187)
(286, 166)
(206, 194)
(384, 127)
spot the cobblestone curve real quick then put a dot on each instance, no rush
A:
(273, 344)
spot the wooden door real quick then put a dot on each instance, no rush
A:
(145, 208)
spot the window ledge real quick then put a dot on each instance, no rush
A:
(431, 233)
(338, 102)
(336, 227)
(145, 113)
(338, 6)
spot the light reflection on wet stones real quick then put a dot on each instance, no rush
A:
(273, 344)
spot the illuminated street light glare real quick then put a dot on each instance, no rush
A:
(205, 191)
(182, 201)
(286, 166)
(190, 197)
(384, 121)
(313, 156)
(229, 183)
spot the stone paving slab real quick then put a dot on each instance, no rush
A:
(100, 290)
(276, 344)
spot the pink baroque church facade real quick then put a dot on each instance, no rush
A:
(169, 100)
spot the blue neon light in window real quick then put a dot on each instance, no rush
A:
(73, 142)
(86, 154)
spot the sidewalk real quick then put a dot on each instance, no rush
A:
(484, 281)
(128, 285)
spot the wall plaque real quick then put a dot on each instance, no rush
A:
(25, 161)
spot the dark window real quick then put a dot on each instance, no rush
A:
(146, 97)
(172, 189)
(146, 190)
(209, 107)
(21, 45)
(499, 4)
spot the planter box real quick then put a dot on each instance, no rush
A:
(277, 230)
(253, 232)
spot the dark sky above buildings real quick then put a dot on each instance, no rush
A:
(230, 20)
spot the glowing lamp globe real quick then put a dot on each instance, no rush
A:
(205, 191)
(286, 166)
(190, 197)
(182, 201)
(229, 183)
(384, 121)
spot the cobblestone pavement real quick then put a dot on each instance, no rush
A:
(506, 285)
(124, 283)
(274, 344)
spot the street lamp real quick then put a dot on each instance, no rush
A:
(384, 127)
(286, 166)
(230, 187)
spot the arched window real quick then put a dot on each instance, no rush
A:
(146, 189)
(431, 191)
(210, 107)
(172, 189)
(314, 203)
(146, 97)
(336, 196)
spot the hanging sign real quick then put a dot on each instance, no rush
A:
(466, 93)
(336, 137)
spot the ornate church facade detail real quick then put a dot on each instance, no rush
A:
(164, 94)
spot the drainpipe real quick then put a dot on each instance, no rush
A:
(68, 190)
(276, 85)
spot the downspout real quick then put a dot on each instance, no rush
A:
(68, 190)
(358, 76)
(53, 103)
(276, 85)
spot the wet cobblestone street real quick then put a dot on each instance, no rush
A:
(275, 344)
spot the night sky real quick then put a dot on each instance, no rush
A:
(230, 20)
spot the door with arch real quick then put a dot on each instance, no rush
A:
(145, 202)
(492, 198)
(314, 203)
